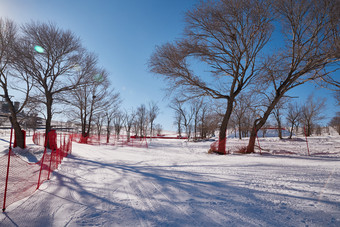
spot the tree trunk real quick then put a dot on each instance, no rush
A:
(83, 129)
(291, 131)
(253, 134)
(49, 113)
(179, 129)
(223, 128)
(252, 139)
(108, 135)
(90, 117)
(83, 122)
(309, 130)
(239, 130)
(258, 123)
(19, 136)
(128, 135)
(151, 128)
(279, 130)
(49, 102)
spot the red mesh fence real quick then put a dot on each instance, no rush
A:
(25, 177)
(114, 140)
(218, 147)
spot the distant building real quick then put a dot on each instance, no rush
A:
(4, 108)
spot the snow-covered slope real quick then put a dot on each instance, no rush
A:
(176, 183)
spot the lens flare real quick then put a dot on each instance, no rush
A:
(98, 78)
(39, 49)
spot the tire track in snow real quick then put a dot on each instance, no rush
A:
(179, 208)
(148, 209)
(135, 208)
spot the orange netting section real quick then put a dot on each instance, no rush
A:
(20, 178)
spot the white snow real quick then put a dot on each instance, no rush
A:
(176, 183)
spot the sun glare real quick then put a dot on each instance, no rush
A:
(39, 49)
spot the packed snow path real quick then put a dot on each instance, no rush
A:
(174, 183)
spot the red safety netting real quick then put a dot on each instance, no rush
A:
(114, 140)
(218, 147)
(20, 178)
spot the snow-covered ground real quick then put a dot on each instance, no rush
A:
(176, 183)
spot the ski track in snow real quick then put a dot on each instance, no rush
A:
(176, 183)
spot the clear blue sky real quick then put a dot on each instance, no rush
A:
(124, 33)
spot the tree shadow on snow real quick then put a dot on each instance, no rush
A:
(171, 195)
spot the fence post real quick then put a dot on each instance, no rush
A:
(9, 161)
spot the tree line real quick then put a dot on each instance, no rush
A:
(293, 116)
(199, 119)
(134, 122)
(53, 72)
(234, 41)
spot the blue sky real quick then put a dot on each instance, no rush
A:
(124, 33)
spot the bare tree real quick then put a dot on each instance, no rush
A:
(335, 122)
(241, 111)
(142, 120)
(311, 51)
(227, 36)
(211, 123)
(153, 113)
(186, 116)
(293, 117)
(109, 118)
(158, 128)
(312, 113)
(99, 122)
(197, 108)
(129, 120)
(203, 120)
(92, 97)
(11, 77)
(178, 123)
(111, 111)
(278, 113)
(54, 63)
(118, 122)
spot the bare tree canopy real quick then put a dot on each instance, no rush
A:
(293, 117)
(242, 113)
(227, 36)
(312, 112)
(51, 56)
(93, 98)
(311, 51)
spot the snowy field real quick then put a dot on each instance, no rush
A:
(176, 183)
